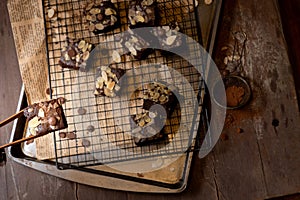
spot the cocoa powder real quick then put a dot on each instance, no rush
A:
(234, 95)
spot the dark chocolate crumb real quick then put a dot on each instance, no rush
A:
(62, 134)
(224, 137)
(275, 123)
(90, 128)
(81, 111)
(85, 143)
(240, 130)
(30, 141)
(49, 91)
(71, 135)
(140, 175)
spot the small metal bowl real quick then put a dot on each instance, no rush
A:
(228, 82)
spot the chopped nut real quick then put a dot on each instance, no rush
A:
(117, 88)
(132, 51)
(169, 33)
(90, 47)
(96, 93)
(55, 105)
(113, 20)
(116, 57)
(156, 96)
(152, 115)
(166, 28)
(104, 68)
(30, 110)
(41, 113)
(147, 119)
(139, 18)
(128, 44)
(138, 116)
(99, 26)
(81, 44)
(67, 57)
(171, 39)
(141, 123)
(108, 92)
(85, 55)
(34, 122)
(89, 6)
(95, 11)
(111, 85)
(32, 131)
(100, 85)
(51, 13)
(148, 2)
(109, 11)
(162, 98)
(104, 76)
(89, 18)
(85, 48)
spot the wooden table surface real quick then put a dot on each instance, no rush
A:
(262, 162)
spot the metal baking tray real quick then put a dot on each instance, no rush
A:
(208, 16)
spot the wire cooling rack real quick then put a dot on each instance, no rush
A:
(102, 128)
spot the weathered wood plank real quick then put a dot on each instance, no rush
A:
(92, 193)
(10, 85)
(290, 21)
(263, 161)
(37, 185)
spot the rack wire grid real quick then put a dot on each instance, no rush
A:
(100, 125)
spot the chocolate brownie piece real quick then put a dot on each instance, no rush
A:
(142, 13)
(75, 54)
(46, 117)
(102, 16)
(157, 93)
(159, 103)
(107, 81)
(168, 36)
(148, 128)
(135, 45)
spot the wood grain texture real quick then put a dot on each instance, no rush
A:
(290, 21)
(10, 85)
(261, 163)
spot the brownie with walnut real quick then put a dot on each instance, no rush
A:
(46, 117)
